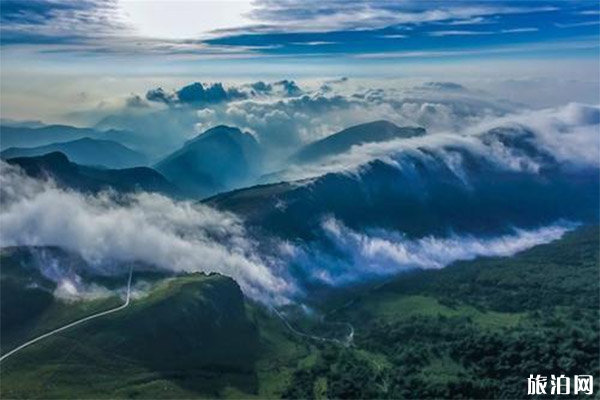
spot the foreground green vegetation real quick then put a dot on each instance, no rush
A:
(473, 330)
(476, 329)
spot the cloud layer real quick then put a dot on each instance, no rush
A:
(283, 115)
(110, 231)
(527, 141)
(106, 231)
(358, 256)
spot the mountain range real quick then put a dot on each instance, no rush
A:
(92, 179)
(420, 194)
(340, 142)
(25, 136)
(85, 151)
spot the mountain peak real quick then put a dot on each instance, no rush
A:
(369, 132)
(90, 140)
(220, 158)
(381, 123)
(221, 131)
(222, 128)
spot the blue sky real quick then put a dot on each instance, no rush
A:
(69, 50)
(188, 29)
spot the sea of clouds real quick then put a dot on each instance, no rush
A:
(109, 229)
(285, 115)
(110, 232)
(569, 135)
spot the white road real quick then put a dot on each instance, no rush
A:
(72, 324)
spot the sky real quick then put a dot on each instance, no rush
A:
(65, 53)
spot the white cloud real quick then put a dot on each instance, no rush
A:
(384, 253)
(394, 36)
(75, 290)
(589, 12)
(569, 134)
(471, 21)
(506, 49)
(314, 43)
(460, 33)
(183, 19)
(316, 16)
(578, 24)
(477, 33)
(519, 30)
(147, 228)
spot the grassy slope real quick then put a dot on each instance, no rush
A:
(475, 329)
(190, 336)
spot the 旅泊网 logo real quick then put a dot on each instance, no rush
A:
(538, 384)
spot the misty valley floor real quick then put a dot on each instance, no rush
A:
(474, 329)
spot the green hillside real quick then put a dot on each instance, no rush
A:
(187, 336)
(476, 329)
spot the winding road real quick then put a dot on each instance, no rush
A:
(75, 323)
(346, 342)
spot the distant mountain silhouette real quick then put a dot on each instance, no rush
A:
(371, 132)
(219, 159)
(86, 151)
(92, 179)
(11, 136)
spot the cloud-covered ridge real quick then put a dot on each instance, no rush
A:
(527, 142)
